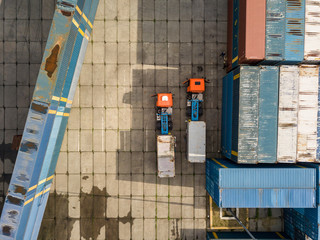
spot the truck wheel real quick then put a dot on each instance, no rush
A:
(170, 125)
(188, 111)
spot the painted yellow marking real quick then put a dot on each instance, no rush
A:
(30, 200)
(236, 76)
(300, 166)
(33, 187)
(86, 36)
(219, 163)
(52, 111)
(66, 114)
(81, 32)
(63, 99)
(42, 181)
(280, 235)
(90, 24)
(85, 17)
(234, 153)
(215, 235)
(235, 59)
(39, 183)
(69, 101)
(59, 113)
(75, 23)
(78, 9)
(55, 98)
(49, 178)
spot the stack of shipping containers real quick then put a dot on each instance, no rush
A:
(270, 113)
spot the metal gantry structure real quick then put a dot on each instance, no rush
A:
(47, 119)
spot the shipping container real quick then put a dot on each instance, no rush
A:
(307, 113)
(47, 118)
(235, 33)
(288, 114)
(252, 29)
(166, 155)
(244, 235)
(303, 223)
(254, 114)
(312, 31)
(226, 122)
(196, 141)
(260, 186)
(294, 32)
(275, 28)
(230, 35)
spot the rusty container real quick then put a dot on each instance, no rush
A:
(252, 29)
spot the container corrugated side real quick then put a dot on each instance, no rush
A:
(307, 113)
(260, 186)
(268, 114)
(252, 26)
(294, 31)
(288, 114)
(226, 131)
(312, 31)
(275, 27)
(247, 141)
(235, 33)
(230, 35)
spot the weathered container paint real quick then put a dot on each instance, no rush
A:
(227, 101)
(260, 186)
(275, 28)
(244, 235)
(230, 35)
(235, 33)
(268, 114)
(288, 114)
(294, 31)
(307, 113)
(302, 223)
(312, 31)
(245, 131)
(252, 29)
(47, 120)
(196, 138)
(166, 155)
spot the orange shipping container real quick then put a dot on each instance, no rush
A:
(252, 28)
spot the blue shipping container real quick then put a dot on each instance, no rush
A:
(260, 186)
(226, 128)
(244, 235)
(253, 114)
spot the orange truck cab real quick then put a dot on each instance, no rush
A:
(196, 85)
(164, 100)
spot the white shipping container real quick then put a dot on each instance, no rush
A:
(312, 31)
(166, 155)
(288, 114)
(307, 113)
(196, 141)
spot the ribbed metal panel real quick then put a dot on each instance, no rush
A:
(227, 102)
(288, 113)
(294, 31)
(235, 33)
(260, 186)
(52, 120)
(244, 235)
(308, 113)
(235, 114)
(268, 114)
(312, 31)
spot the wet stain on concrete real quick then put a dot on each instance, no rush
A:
(58, 225)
